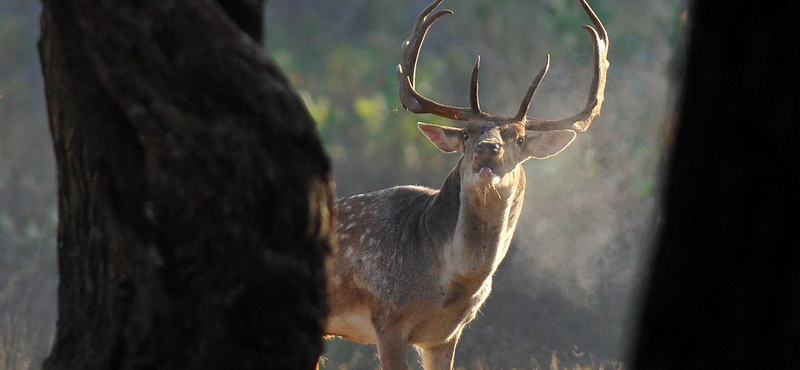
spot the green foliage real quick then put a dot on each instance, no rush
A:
(589, 211)
(28, 277)
(587, 220)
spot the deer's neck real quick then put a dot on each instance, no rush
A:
(480, 224)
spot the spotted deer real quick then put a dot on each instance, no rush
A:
(414, 264)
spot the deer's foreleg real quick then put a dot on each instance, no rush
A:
(440, 357)
(392, 350)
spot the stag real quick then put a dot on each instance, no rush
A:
(414, 264)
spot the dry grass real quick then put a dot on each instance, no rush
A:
(352, 356)
(15, 353)
(556, 364)
(571, 360)
(27, 316)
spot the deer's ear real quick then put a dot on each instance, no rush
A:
(447, 139)
(547, 144)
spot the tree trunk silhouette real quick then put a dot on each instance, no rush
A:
(195, 199)
(725, 282)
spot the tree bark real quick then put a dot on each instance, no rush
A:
(725, 284)
(195, 199)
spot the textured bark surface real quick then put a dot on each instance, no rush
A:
(725, 284)
(195, 199)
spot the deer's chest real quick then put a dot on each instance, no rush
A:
(444, 318)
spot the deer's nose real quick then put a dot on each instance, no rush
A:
(494, 147)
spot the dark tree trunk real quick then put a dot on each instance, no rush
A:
(195, 200)
(725, 284)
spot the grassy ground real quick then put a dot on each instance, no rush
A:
(342, 354)
(27, 319)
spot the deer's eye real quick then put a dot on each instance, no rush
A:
(465, 136)
(520, 141)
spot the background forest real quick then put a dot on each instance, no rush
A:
(570, 280)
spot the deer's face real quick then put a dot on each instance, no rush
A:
(494, 147)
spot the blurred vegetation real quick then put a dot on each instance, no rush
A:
(570, 278)
(568, 283)
(28, 277)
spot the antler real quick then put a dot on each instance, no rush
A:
(409, 97)
(415, 102)
(581, 121)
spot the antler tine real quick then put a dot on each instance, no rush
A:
(412, 45)
(406, 73)
(526, 101)
(474, 102)
(581, 121)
